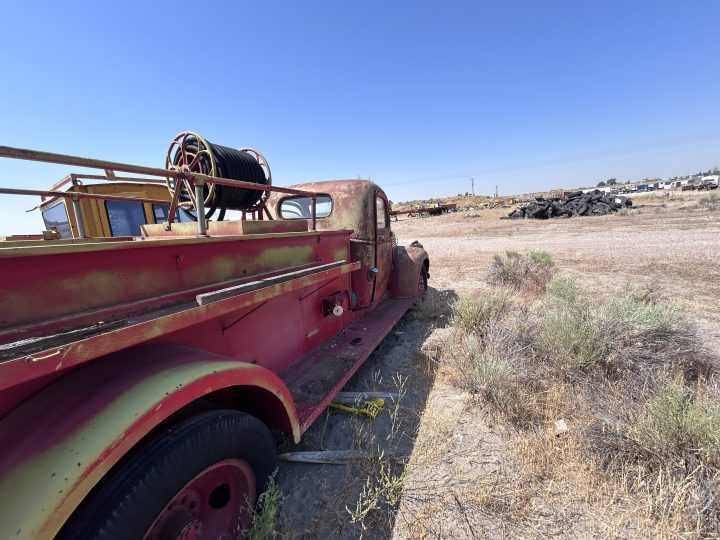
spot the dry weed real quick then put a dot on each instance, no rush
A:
(628, 374)
(530, 271)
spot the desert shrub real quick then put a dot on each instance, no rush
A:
(568, 334)
(529, 271)
(675, 422)
(640, 308)
(472, 314)
(711, 202)
(481, 369)
(629, 374)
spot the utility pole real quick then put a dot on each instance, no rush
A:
(472, 186)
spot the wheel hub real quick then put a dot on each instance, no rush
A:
(215, 504)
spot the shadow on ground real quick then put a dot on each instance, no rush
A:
(326, 501)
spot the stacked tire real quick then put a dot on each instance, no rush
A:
(577, 203)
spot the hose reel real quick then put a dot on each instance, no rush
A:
(189, 152)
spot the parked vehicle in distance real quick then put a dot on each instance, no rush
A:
(688, 187)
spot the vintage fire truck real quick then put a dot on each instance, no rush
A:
(149, 345)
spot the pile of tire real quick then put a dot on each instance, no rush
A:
(577, 203)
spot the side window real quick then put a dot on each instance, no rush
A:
(160, 211)
(125, 217)
(381, 213)
(56, 218)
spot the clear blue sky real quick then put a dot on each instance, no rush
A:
(419, 96)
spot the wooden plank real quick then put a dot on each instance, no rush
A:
(331, 457)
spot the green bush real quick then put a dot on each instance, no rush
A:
(472, 314)
(634, 306)
(676, 422)
(567, 333)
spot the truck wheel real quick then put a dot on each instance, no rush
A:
(199, 479)
(422, 287)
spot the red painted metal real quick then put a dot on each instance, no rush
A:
(407, 270)
(214, 504)
(101, 340)
(99, 412)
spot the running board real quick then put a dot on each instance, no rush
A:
(314, 380)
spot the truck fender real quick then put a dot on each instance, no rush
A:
(408, 263)
(57, 445)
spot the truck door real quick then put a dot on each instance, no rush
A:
(383, 247)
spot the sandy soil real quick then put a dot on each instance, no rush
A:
(667, 241)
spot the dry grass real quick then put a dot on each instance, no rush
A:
(629, 376)
(711, 202)
(530, 271)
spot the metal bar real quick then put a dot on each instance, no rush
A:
(77, 161)
(119, 178)
(199, 209)
(78, 218)
(314, 213)
(61, 183)
(173, 207)
(72, 194)
(229, 292)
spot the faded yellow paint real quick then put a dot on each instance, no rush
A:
(275, 257)
(40, 493)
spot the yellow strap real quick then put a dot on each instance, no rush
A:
(370, 408)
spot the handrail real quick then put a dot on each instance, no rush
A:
(198, 179)
(79, 195)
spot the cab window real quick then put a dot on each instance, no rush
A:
(125, 217)
(56, 218)
(301, 207)
(160, 211)
(381, 213)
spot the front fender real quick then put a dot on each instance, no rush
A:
(408, 262)
(60, 443)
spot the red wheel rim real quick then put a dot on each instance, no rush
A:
(215, 504)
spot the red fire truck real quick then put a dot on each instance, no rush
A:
(144, 359)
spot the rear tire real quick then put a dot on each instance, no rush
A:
(141, 497)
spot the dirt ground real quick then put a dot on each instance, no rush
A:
(434, 447)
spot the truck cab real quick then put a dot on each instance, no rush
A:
(357, 205)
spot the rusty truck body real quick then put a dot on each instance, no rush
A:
(140, 375)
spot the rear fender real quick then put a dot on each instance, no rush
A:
(408, 262)
(59, 444)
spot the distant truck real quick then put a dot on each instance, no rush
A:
(143, 361)
(709, 182)
(425, 211)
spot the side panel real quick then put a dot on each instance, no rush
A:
(59, 444)
(407, 265)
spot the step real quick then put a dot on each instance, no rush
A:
(314, 380)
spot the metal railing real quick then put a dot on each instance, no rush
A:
(111, 167)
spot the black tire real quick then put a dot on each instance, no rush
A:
(600, 209)
(127, 502)
(420, 298)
